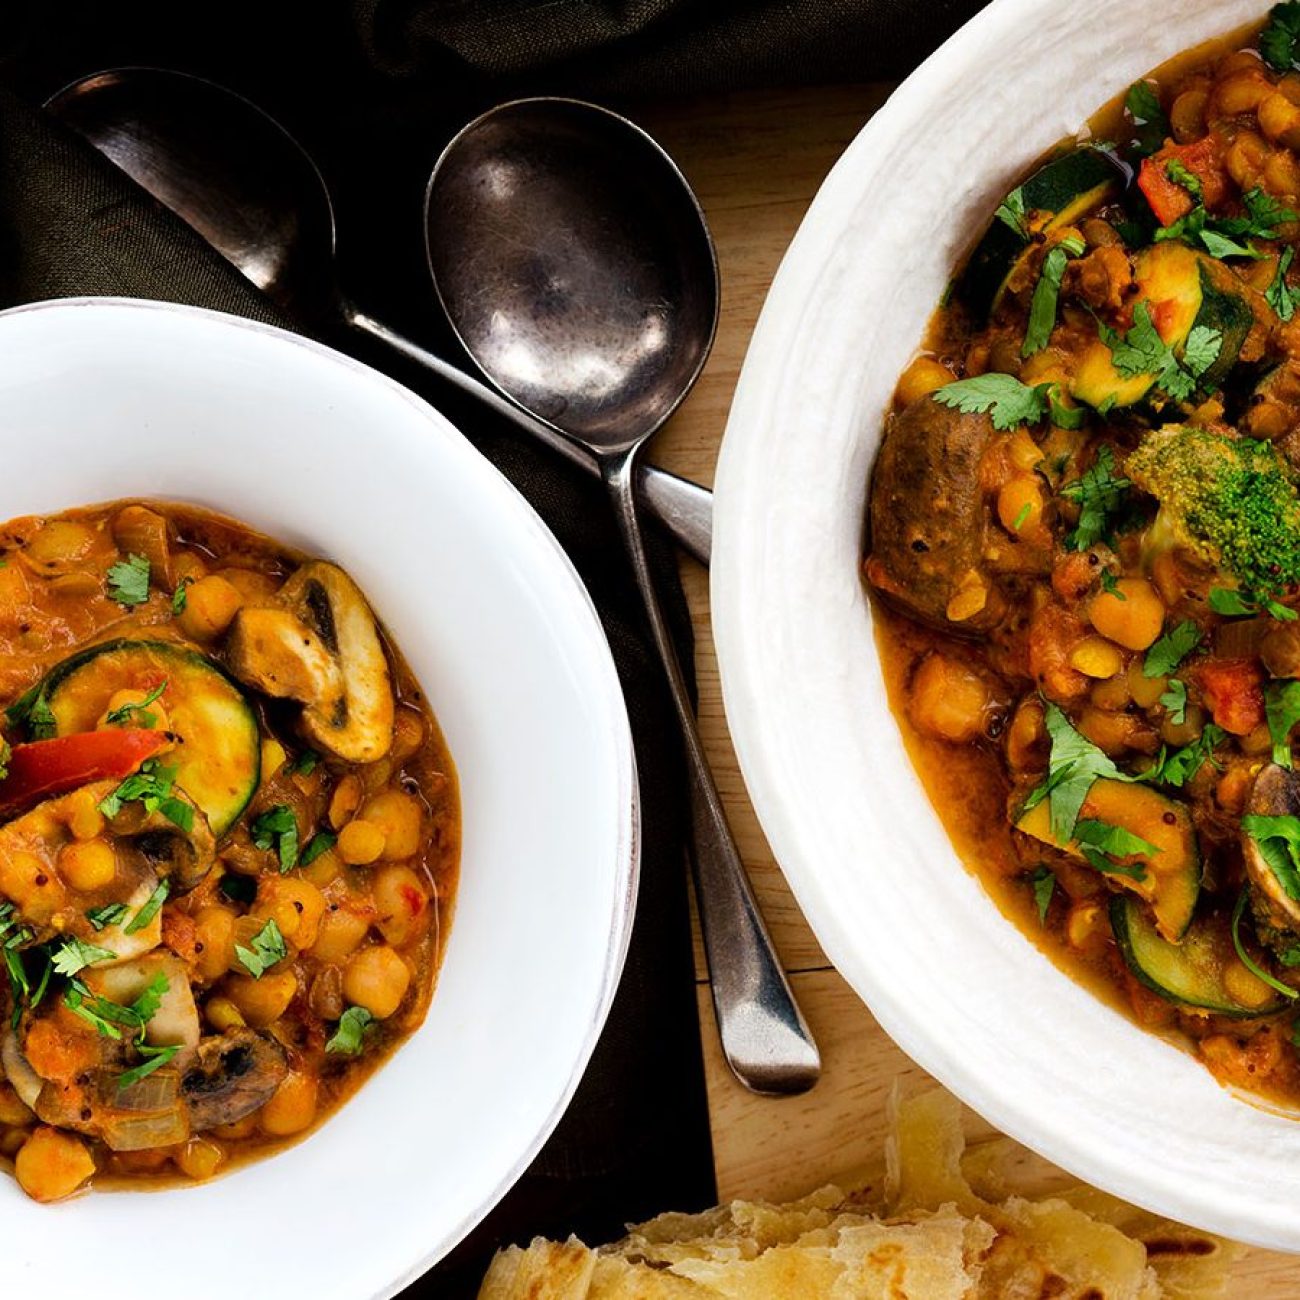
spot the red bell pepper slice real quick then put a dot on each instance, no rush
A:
(1167, 198)
(46, 768)
(1232, 689)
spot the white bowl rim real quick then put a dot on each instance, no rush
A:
(628, 851)
(751, 524)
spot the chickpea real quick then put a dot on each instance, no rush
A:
(292, 1106)
(924, 376)
(1027, 736)
(1282, 174)
(947, 700)
(1183, 733)
(214, 929)
(323, 869)
(339, 935)
(1096, 657)
(1187, 115)
(210, 606)
(345, 800)
(136, 718)
(1087, 927)
(408, 735)
(87, 866)
(1146, 691)
(222, 1014)
(1245, 159)
(360, 843)
(52, 1165)
(200, 1158)
(1279, 119)
(1242, 93)
(400, 898)
(398, 816)
(241, 1128)
(81, 812)
(1132, 616)
(188, 565)
(295, 904)
(376, 979)
(1020, 506)
(273, 757)
(262, 1001)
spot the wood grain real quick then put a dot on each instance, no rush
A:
(756, 161)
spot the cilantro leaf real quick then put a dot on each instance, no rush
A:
(323, 841)
(145, 1007)
(155, 1058)
(1277, 42)
(266, 948)
(1101, 843)
(1011, 212)
(152, 786)
(1008, 401)
(75, 954)
(1280, 295)
(1043, 883)
(1282, 710)
(31, 711)
(278, 827)
(1246, 959)
(348, 1038)
(1179, 174)
(1143, 106)
(150, 908)
(1278, 841)
(180, 598)
(1178, 768)
(1234, 602)
(305, 764)
(1143, 352)
(1174, 698)
(1171, 649)
(1072, 766)
(1042, 308)
(1110, 584)
(1202, 349)
(1064, 417)
(109, 914)
(1099, 494)
(128, 581)
(121, 716)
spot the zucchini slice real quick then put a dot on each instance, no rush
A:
(219, 758)
(1056, 195)
(1184, 289)
(1173, 875)
(1190, 973)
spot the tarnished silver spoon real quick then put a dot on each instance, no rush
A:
(575, 265)
(238, 178)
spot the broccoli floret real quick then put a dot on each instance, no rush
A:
(1230, 501)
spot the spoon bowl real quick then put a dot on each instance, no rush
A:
(575, 266)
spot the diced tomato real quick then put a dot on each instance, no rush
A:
(1167, 198)
(1232, 689)
(46, 768)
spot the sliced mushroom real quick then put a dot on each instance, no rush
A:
(1276, 793)
(231, 1076)
(320, 645)
(26, 1082)
(164, 849)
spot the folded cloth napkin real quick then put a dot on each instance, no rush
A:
(636, 1137)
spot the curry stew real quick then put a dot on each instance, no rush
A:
(229, 835)
(1084, 540)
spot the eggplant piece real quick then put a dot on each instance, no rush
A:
(230, 1076)
(928, 518)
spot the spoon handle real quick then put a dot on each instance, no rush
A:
(684, 508)
(764, 1036)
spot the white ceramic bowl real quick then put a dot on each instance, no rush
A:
(959, 988)
(102, 399)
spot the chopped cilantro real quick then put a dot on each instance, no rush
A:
(1099, 494)
(1179, 174)
(1171, 649)
(348, 1037)
(75, 954)
(1143, 352)
(128, 581)
(323, 841)
(1042, 308)
(1178, 768)
(155, 1057)
(31, 710)
(121, 717)
(1246, 959)
(150, 908)
(109, 914)
(305, 764)
(1280, 295)
(1064, 417)
(1152, 126)
(1233, 602)
(1277, 42)
(1043, 883)
(267, 947)
(179, 597)
(1278, 841)
(1008, 401)
(1110, 584)
(152, 786)
(1282, 709)
(1011, 212)
(1174, 698)
(1101, 843)
(277, 827)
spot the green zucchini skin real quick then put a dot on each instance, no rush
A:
(1057, 194)
(1187, 973)
(219, 762)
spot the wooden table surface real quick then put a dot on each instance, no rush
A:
(756, 160)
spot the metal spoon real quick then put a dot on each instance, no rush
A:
(575, 265)
(234, 174)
